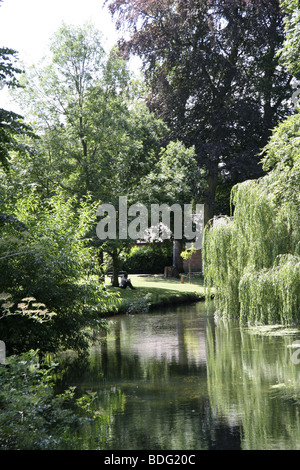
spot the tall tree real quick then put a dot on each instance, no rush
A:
(253, 259)
(11, 124)
(214, 75)
(74, 99)
(95, 136)
(98, 137)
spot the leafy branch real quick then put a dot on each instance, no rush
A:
(28, 307)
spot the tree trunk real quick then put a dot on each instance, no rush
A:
(177, 260)
(100, 259)
(115, 260)
(85, 155)
(209, 207)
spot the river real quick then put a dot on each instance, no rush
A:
(176, 380)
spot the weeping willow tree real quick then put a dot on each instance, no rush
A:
(253, 258)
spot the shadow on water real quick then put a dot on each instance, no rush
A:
(173, 379)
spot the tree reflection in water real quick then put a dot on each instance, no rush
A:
(176, 380)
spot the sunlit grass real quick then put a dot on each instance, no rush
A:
(159, 291)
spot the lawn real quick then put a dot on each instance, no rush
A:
(154, 291)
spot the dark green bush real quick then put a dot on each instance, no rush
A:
(148, 259)
(32, 416)
(48, 261)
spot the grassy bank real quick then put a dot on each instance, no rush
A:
(153, 291)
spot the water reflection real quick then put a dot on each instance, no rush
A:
(252, 382)
(175, 380)
(178, 336)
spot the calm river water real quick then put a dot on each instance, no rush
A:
(175, 380)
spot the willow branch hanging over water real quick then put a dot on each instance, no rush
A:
(253, 258)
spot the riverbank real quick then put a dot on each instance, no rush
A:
(153, 291)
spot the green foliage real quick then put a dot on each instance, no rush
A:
(214, 76)
(283, 146)
(12, 126)
(219, 266)
(139, 305)
(174, 178)
(272, 295)
(49, 261)
(74, 108)
(32, 416)
(187, 255)
(97, 140)
(8, 67)
(148, 259)
(52, 246)
(290, 53)
(253, 258)
(96, 136)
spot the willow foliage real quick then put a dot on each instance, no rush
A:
(253, 259)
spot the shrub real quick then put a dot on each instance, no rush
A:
(48, 261)
(148, 259)
(32, 417)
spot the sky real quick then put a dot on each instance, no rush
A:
(27, 26)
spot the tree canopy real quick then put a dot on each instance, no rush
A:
(96, 137)
(11, 124)
(291, 51)
(253, 258)
(214, 77)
